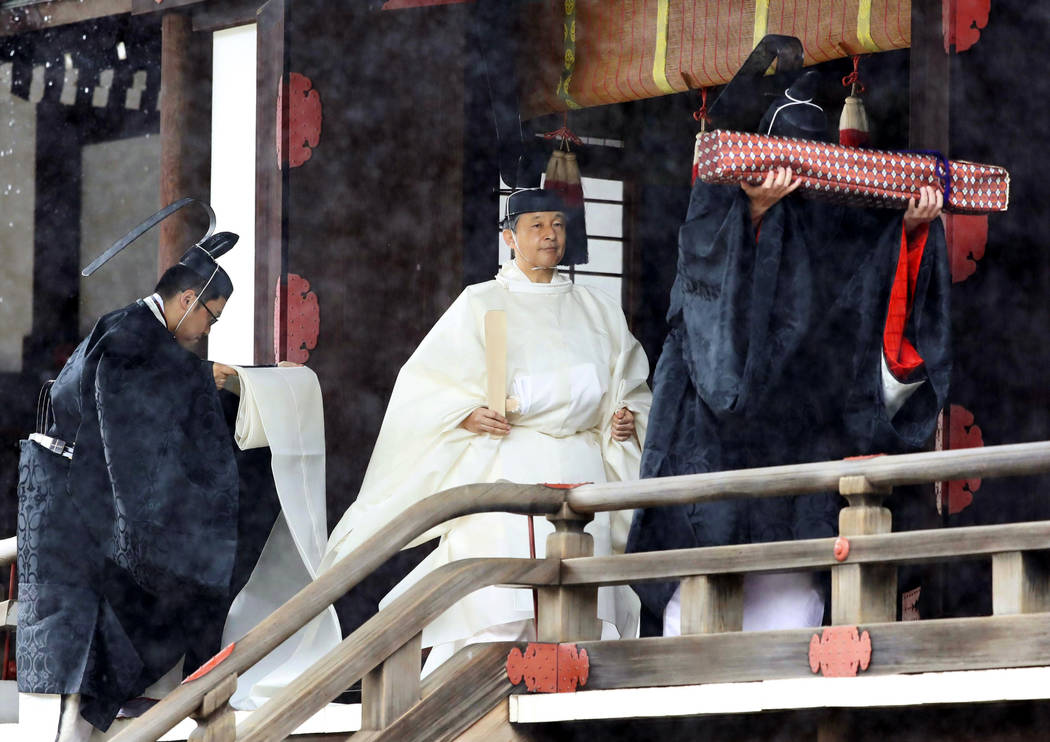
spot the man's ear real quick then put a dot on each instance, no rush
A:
(508, 238)
(186, 298)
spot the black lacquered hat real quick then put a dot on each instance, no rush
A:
(200, 258)
(794, 114)
(529, 200)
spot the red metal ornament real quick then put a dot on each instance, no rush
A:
(839, 652)
(841, 549)
(304, 119)
(303, 318)
(574, 668)
(962, 21)
(962, 433)
(211, 664)
(549, 668)
(967, 237)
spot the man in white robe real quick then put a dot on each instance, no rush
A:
(579, 379)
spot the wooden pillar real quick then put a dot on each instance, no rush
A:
(712, 604)
(185, 133)
(271, 181)
(56, 241)
(568, 614)
(862, 593)
(1020, 583)
(214, 717)
(392, 688)
(929, 91)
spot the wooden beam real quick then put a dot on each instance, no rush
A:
(897, 647)
(712, 604)
(41, 16)
(568, 614)
(185, 133)
(495, 726)
(909, 547)
(392, 688)
(381, 635)
(271, 182)
(215, 718)
(798, 479)
(457, 696)
(929, 79)
(333, 584)
(144, 7)
(230, 13)
(861, 593)
(1020, 583)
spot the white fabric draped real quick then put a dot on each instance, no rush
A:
(281, 408)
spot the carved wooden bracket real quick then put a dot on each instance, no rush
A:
(304, 119)
(303, 317)
(967, 237)
(549, 668)
(839, 652)
(962, 433)
(962, 21)
(212, 663)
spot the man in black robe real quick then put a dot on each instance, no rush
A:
(782, 349)
(128, 507)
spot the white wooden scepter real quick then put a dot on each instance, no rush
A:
(496, 384)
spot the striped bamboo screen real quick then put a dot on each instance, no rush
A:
(610, 51)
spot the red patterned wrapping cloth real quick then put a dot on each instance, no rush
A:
(850, 175)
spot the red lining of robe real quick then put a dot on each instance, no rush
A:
(901, 356)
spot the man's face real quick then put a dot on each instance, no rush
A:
(200, 318)
(540, 237)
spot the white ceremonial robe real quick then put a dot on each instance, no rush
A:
(572, 362)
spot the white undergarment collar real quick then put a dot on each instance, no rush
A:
(511, 278)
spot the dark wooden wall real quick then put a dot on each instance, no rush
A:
(373, 218)
(1001, 313)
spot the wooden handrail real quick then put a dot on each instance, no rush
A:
(367, 647)
(822, 476)
(378, 637)
(906, 547)
(8, 551)
(333, 584)
(1009, 460)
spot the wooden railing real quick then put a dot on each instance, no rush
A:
(386, 649)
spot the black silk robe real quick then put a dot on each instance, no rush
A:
(125, 553)
(774, 357)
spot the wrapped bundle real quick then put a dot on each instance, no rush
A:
(850, 175)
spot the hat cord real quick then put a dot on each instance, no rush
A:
(199, 294)
(793, 102)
